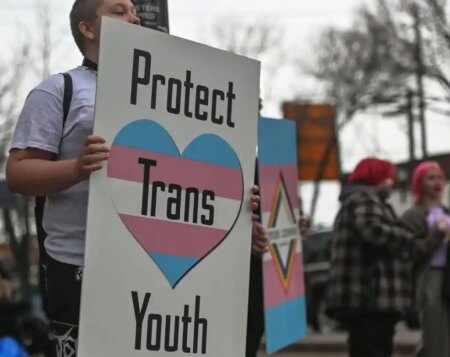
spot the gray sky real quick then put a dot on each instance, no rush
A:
(300, 20)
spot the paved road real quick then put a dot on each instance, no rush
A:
(318, 354)
(305, 354)
(335, 345)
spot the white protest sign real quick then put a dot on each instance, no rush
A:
(169, 217)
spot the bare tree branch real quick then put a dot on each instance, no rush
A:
(257, 39)
(12, 76)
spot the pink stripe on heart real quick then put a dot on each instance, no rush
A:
(223, 181)
(173, 238)
(275, 293)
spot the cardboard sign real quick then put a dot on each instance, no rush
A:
(169, 219)
(154, 14)
(284, 291)
(318, 149)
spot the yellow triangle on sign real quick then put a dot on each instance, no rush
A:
(281, 206)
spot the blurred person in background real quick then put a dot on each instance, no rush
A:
(370, 286)
(6, 286)
(428, 186)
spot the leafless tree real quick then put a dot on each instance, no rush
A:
(12, 75)
(383, 61)
(252, 39)
(435, 20)
(369, 65)
(258, 39)
(29, 58)
(382, 52)
(361, 67)
(44, 44)
(32, 59)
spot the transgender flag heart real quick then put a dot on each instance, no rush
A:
(179, 207)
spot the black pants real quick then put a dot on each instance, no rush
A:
(255, 317)
(63, 297)
(371, 335)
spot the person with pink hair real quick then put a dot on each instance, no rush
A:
(370, 281)
(428, 187)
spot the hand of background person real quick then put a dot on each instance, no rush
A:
(260, 239)
(303, 225)
(443, 225)
(255, 202)
(6, 290)
(437, 234)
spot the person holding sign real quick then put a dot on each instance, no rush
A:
(53, 158)
(53, 154)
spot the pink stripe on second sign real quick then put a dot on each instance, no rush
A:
(173, 238)
(223, 181)
(268, 177)
(274, 293)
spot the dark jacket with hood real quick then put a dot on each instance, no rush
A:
(371, 257)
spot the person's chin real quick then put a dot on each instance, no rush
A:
(384, 194)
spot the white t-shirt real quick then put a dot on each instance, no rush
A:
(40, 126)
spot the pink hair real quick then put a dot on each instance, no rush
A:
(419, 175)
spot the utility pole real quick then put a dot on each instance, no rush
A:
(419, 76)
(411, 139)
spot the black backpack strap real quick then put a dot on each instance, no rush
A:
(38, 216)
(40, 201)
(67, 99)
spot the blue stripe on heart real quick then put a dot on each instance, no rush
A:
(173, 267)
(213, 150)
(148, 135)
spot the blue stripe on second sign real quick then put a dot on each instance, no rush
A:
(277, 141)
(285, 324)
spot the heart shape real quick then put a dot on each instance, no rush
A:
(178, 207)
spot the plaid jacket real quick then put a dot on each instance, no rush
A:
(371, 257)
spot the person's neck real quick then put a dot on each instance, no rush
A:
(431, 202)
(91, 54)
